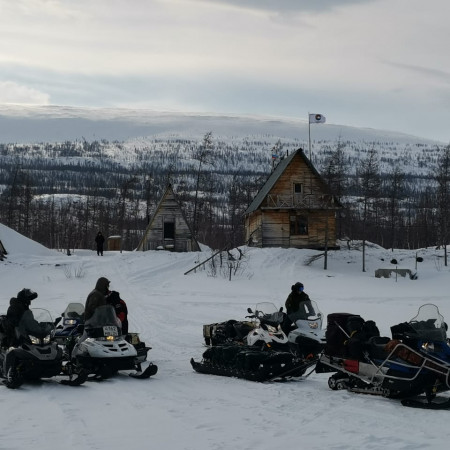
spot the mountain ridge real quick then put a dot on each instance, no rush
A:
(52, 123)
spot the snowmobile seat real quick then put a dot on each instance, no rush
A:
(337, 333)
(243, 328)
(376, 347)
(8, 335)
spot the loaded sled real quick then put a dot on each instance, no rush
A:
(364, 362)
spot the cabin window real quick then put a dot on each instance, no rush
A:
(298, 225)
(298, 188)
(169, 230)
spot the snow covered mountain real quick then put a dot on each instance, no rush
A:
(25, 124)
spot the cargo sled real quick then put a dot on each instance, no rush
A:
(364, 362)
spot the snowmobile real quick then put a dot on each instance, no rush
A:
(365, 362)
(427, 331)
(72, 316)
(263, 354)
(28, 358)
(102, 350)
(306, 336)
(303, 329)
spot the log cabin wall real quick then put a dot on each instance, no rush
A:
(293, 209)
(168, 228)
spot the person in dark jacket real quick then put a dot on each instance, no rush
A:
(21, 317)
(121, 309)
(97, 297)
(298, 304)
(99, 240)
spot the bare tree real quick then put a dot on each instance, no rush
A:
(203, 155)
(368, 176)
(443, 198)
(394, 189)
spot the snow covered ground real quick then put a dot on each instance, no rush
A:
(179, 409)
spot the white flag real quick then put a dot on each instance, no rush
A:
(316, 118)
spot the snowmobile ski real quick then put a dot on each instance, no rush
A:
(80, 378)
(296, 372)
(423, 403)
(150, 370)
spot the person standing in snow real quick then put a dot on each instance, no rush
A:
(100, 240)
(298, 304)
(97, 297)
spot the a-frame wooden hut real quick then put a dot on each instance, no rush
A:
(294, 208)
(168, 228)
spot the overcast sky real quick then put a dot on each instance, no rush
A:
(381, 64)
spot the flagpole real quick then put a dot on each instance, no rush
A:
(309, 137)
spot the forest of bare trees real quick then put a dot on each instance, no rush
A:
(61, 194)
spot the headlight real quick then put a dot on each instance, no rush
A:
(428, 346)
(34, 340)
(108, 338)
(271, 329)
(70, 322)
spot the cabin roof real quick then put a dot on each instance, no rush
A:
(275, 175)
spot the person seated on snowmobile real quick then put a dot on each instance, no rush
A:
(21, 317)
(298, 304)
(97, 297)
(120, 307)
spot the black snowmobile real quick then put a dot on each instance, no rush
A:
(29, 358)
(364, 362)
(72, 316)
(256, 350)
(102, 350)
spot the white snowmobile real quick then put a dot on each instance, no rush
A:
(102, 350)
(307, 338)
(257, 350)
(267, 330)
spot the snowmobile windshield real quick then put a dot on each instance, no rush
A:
(265, 308)
(43, 317)
(429, 324)
(268, 313)
(307, 310)
(103, 316)
(73, 311)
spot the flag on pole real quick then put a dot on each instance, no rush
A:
(316, 118)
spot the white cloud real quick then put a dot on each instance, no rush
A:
(11, 92)
(113, 52)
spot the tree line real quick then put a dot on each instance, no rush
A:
(61, 195)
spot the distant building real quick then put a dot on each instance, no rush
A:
(168, 228)
(294, 208)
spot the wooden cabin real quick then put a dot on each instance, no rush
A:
(168, 228)
(294, 208)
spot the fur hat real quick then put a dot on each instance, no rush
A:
(26, 295)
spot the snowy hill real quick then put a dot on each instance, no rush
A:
(25, 124)
(18, 245)
(179, 409)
